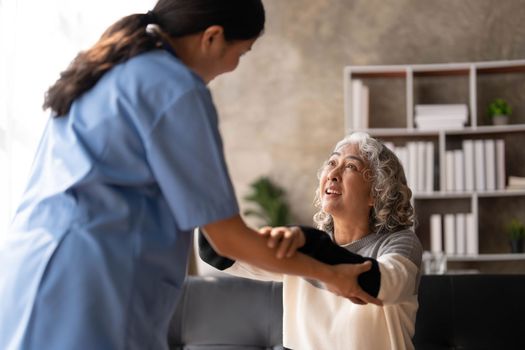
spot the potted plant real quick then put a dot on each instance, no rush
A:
(271, 207)
(499, 111)
(516, 232)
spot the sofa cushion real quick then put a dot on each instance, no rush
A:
(227, 313)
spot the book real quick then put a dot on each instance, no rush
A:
(440, 109)
(449, 171)
(356, 103)
(440, 126)
(390, 146)
(479, 165)
(468, 151)
(500, 165)
(471, 235)
(436, 240)
(429, 167)
(365, 95)
(459, 173)
(450, 233)
(412, 166)
(516, 183)
(360, 104)
(421, 153)
(490, 164)
(461, 234)
(440, 116)
(402, 155)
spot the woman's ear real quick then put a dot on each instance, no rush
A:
(212, 37)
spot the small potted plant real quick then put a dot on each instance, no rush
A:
(516, 232)
(499, 111)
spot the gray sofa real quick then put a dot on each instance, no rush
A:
(456, 312)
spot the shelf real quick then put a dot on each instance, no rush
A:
(487, 257)
(400, 132)
(502, 193)
(486, 129)
(456, 195)
(440, 69)
(442, 195)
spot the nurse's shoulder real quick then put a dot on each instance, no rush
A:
(161, 73)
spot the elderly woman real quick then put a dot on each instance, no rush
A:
(366, 214)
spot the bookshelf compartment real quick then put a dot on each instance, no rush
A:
(494, 214)
(507, 85)
(425, 207)
(442, 90)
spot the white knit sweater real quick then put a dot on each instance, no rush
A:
(316, 319)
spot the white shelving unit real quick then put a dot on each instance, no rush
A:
(405, 130)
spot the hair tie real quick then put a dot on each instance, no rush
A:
(151, 18)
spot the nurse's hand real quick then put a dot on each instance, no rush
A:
(345, 283)
(285, 240)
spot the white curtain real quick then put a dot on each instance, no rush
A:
(38, 39)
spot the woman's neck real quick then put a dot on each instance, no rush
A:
(346, 231)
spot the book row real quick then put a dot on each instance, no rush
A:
(454, 234)
(478, 166)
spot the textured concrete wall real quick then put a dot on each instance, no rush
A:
(282, 110)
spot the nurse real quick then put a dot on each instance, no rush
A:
(130, 163)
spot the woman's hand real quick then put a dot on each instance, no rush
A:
(345, 283)
(286, 240)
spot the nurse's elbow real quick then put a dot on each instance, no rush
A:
(220, 243)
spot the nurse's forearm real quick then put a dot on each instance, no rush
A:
(233, 239)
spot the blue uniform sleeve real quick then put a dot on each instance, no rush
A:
(185, 152)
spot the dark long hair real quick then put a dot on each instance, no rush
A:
(240, 19)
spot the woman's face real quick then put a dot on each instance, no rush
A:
(344, 191)
(228, 57)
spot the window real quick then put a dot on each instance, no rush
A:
(38, 39)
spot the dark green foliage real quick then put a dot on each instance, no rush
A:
(499, 107)
(516, 229)
(269, 198)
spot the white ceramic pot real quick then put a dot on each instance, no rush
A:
(500, 119)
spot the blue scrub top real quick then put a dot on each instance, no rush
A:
(98, 248)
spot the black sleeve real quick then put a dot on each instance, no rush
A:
(210, 256)
(320, 246)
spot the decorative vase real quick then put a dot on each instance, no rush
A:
(500, 119)
(516, 245)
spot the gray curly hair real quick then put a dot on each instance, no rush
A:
(392, 210)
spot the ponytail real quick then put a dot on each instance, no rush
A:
(120, 42)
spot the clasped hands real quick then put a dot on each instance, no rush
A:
(287, 240)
